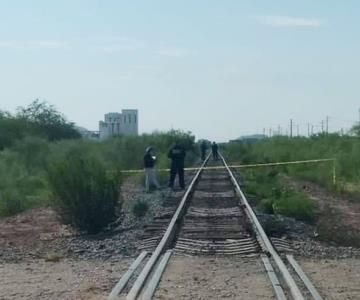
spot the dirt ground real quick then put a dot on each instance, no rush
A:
(334, 279)
(339, 216)
(30, 228)
(185, 278)
(66, 280)
(244, 278)
(214, 278)
(88, 268)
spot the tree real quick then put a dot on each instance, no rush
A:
(47, 121)
(355, 130)
(12, 129)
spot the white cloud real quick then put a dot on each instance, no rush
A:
(115, 44)
(110, 49)
(34, 44)
(172, 51)
(110, 45)
(106, 45)
(285, 21)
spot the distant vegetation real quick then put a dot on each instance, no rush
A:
(273, 196)
(25, 144)
(345, 149)
(44, 161)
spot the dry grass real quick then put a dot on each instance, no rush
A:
(52, 257)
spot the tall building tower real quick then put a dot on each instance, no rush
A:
(124, 123)
(130, 124)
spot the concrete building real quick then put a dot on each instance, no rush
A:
(124, 123)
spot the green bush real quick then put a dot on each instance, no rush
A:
(84, 194)
(140, 208)
(32, 151)
(11, 202)
(296, 206)
(267, 206)
(19, 188)
(276, 198)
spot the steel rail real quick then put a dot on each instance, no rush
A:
(126, 277)
(279, 292)
(306, 280)
(139, 283)
(294, 289)
(153, 283)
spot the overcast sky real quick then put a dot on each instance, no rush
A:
(220, 69)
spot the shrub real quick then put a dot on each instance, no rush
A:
(274, 227)
(275, 198)
(85, 195)
(296, 206)
(19, 189)
(140, 208)
(11, 202)
(32, 151)
(267, 206)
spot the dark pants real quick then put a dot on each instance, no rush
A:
(203, 154)
(215, 155)
(177, 170)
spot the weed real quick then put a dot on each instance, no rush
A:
(52, 257)
(278, 199)
(140, 208)
(274, 227)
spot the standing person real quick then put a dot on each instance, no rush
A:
(203, 148)
(149, 165)
(215, 148)
(177, 155)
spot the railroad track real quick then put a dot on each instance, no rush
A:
(212, 217)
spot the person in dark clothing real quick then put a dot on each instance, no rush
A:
(177, 155)
(149, 166)
(203, 148)
(214, 149)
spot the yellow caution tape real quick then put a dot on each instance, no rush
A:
(254, 166)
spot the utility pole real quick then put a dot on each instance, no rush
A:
(291, 128)
(279, 130)
(327, 124)
(308, 126)
(322, 126)
(270, 132)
